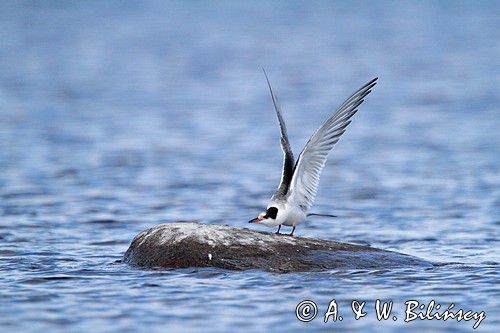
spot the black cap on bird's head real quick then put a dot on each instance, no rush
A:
(270, 213)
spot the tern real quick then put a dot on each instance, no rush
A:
(299, 182)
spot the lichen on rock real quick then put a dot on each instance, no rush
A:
(187, 244)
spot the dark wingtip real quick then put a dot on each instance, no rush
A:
(265, 73)
(268, 83)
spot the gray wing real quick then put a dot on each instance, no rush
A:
(288, 160)
(312, 159)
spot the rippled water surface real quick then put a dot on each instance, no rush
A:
(115, 117)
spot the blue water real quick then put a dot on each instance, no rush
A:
(117, 116)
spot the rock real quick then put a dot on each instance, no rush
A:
(185, 244)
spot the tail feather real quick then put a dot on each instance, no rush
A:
(324, 215)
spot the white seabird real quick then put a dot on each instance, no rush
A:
(299, 183)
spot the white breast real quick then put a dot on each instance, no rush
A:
(289, 215)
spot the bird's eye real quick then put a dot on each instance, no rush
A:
(272, 212)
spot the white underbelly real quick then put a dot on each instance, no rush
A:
(292, 218)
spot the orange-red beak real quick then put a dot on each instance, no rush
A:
(255, 220)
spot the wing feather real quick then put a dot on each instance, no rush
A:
(288, 159)
(312, 159)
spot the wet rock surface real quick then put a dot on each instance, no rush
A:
(186, 244)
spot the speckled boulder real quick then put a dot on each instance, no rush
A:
(185, 244)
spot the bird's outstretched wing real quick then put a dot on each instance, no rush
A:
(312, 159)
(288, 160)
